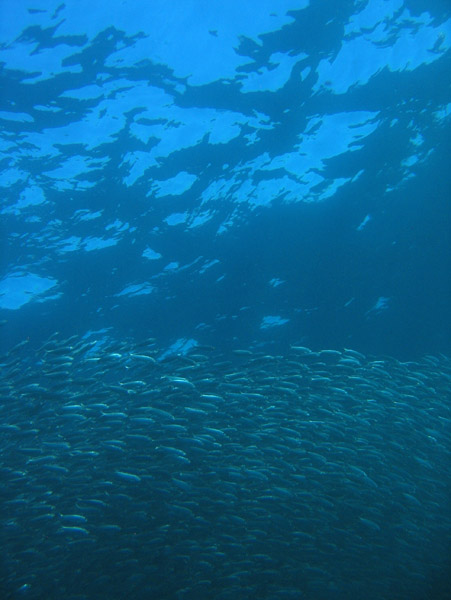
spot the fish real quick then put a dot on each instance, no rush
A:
(227, 474)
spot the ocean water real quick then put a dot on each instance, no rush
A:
(225, 298)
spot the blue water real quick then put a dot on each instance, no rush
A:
(208, 171)
(233, 174)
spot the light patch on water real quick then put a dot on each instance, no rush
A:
(218, 188)
(175, 186)
(74, 167)
(201, 219)
(31, 196)
(9, 177)
(87, 215)
(443, 113)
(176, 219)
(331, 135)
(118, 225)
(172, 266)
(374, 44)
(42, 65)
(272, 77)
(70, 244)
(151, 254)
(272, 321)
(179, 128)
(138, 163)
(96, 243)
(49, 108)
(209, 53)
(223, 128)
(326, 137)
(409, 161)
(267, 190)
(16, 116)
(17, 290)
(208, 265)
(332, 187)
(87, 92)
(136, 289)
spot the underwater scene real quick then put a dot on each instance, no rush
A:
(225, 300)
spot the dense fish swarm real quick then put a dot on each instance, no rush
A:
(313, 475)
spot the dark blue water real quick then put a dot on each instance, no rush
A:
(235, 174)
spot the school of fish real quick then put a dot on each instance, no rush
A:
(129, 473)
